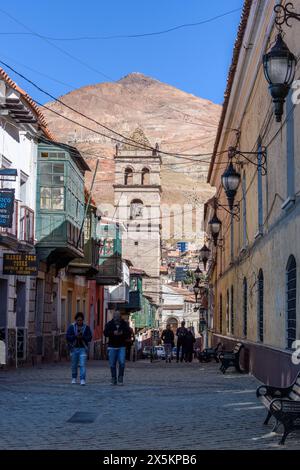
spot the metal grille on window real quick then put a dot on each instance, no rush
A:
(245, 306)
(291, 299)
(261, 306)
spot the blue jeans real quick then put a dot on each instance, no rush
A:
(117, 355)
(79, 355)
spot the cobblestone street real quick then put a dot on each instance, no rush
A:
(161, 406)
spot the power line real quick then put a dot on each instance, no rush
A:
(121, 36)
(140, 146)
(87, 65)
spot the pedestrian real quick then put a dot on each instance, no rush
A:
(189, 345)
(168, 339)
(78, 337)
(117, 331)
(181, 335)
(129, 342)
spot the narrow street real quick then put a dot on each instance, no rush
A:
(161, 406)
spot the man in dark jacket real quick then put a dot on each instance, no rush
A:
(181, 335)
(189, 345)
(117, 331)
(78, 337)
(168, 339)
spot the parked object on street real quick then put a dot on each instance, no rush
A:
(210, 353)
(159, 352)
(283, 404)
(147, 351)
(78, 337)
(117, 331)
(231, 358)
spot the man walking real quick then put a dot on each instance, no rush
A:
(168, 339)
(181, 336)
(117, 331)
(78, 337)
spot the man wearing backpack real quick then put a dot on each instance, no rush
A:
(181, 337)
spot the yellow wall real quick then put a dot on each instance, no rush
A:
(280, 237)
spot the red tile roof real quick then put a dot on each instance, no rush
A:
(35, 108)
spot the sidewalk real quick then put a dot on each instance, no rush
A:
(161, 406)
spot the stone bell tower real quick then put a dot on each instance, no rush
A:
(137, 195)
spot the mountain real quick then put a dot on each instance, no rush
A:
(179, 122)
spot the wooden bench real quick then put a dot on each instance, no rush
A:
(283, 404)
(210, 353)
(231, 358)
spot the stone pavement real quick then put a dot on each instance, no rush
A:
(161, 406)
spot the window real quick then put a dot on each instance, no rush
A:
(244, 190)
(83, 307)
(26, 224)
(245, 306)
(70, 306)
(221, 314)
(78, 305)
(227, 312)
(145, 176)
(259, 188)
(136, 209)
(63, 315)
(52, 186)
(261, 305)
(291, 301)
(128, 176)
(232, 312)
(23, 187)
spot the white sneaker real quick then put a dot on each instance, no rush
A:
(73, 381)
(82, 382)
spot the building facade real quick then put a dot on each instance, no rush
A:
(254, 274)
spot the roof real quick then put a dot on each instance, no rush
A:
(137, 271)
(35, 108)
(230, 78)
(138, 137)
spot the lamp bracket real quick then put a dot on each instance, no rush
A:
(262, 165)
(235, 212)
(284, 14)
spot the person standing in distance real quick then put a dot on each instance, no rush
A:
(117, 331)
(181, 336)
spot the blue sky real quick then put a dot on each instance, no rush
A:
(194, 59)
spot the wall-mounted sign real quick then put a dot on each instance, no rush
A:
(20, 264)
(7, 199)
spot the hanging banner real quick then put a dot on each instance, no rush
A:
(20, 264)
(7, 199)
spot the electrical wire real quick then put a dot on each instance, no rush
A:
(120, 36)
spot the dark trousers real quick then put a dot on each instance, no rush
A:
(189, 355)
(180, 344)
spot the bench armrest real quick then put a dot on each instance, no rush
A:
(285, 406)
(272, 391)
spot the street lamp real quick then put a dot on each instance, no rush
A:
(230, 182)
(279, 68)
(215, 227)
(204, 255)
(196, 290)
(198, 273)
